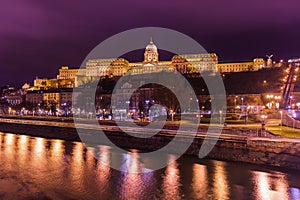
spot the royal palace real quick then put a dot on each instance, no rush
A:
(112, 67)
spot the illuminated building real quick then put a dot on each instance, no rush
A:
(98, 67)
(53, 83)
(12, 96)
(66, 73)
(185, 64)
(47, 98)
(65, 79)
(115, 67)
(34, 97)
(255, 65)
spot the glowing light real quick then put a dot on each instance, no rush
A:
(171, 182)
(200, 181)
(220, 187)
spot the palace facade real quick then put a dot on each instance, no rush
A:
(115, 67)
(184, 64)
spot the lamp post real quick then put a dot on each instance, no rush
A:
(242, 101)
(243, 110)
(220, 112)
(281, 120)
(263, 125)
(190, 104)
(235, 104)
(172, 114)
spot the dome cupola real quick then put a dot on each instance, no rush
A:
(151, 53)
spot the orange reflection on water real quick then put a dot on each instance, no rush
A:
(90, 158)
(200, 181)
(39, 153)
(132, 185)
(220, 187)
(22, 149)
(1, 137)
(103, 168)
(77, 164)
(23, 141)
(39, 147)
(57, 148)
(9, 148)
(263, 186)
(171, 181)
(10, 139)
(282, 187)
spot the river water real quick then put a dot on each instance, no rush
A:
(39, 168)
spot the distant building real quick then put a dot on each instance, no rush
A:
(115, 67)
(185, 64)
(34, 97)
(98, 67)
(52, 97)
(12, 96)
(13, 99)
(66, 73)
(255, 65)
(45, 83)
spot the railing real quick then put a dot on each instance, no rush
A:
(287, 120)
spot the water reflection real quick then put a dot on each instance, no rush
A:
(9, 150)
(269, 186)
(295, 193)
(22, 147)
(103, 169)
(57, 148)
(171, 180)
(132, 186)
(38, 168)
(220, 187)
(200, 181)
(76, 164)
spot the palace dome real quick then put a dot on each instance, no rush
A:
(151, 47)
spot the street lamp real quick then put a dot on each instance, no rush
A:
(242, 101)
(245, 113)
(235, 103)
(190, 104)
(281, 120)
(220, 111)
(263, 125)
(172, 114)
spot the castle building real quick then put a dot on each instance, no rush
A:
(255, 65)
(115, 67)
(184, 64)
(53, 83)
(66, 73)
(190, 63)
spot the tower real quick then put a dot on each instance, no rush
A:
(151, 53)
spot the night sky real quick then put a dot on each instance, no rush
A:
(37, 37)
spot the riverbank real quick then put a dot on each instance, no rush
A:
(280, 152)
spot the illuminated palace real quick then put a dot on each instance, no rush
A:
(185, 64)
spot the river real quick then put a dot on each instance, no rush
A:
(39, 168)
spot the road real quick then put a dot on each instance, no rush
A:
(148, 132)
